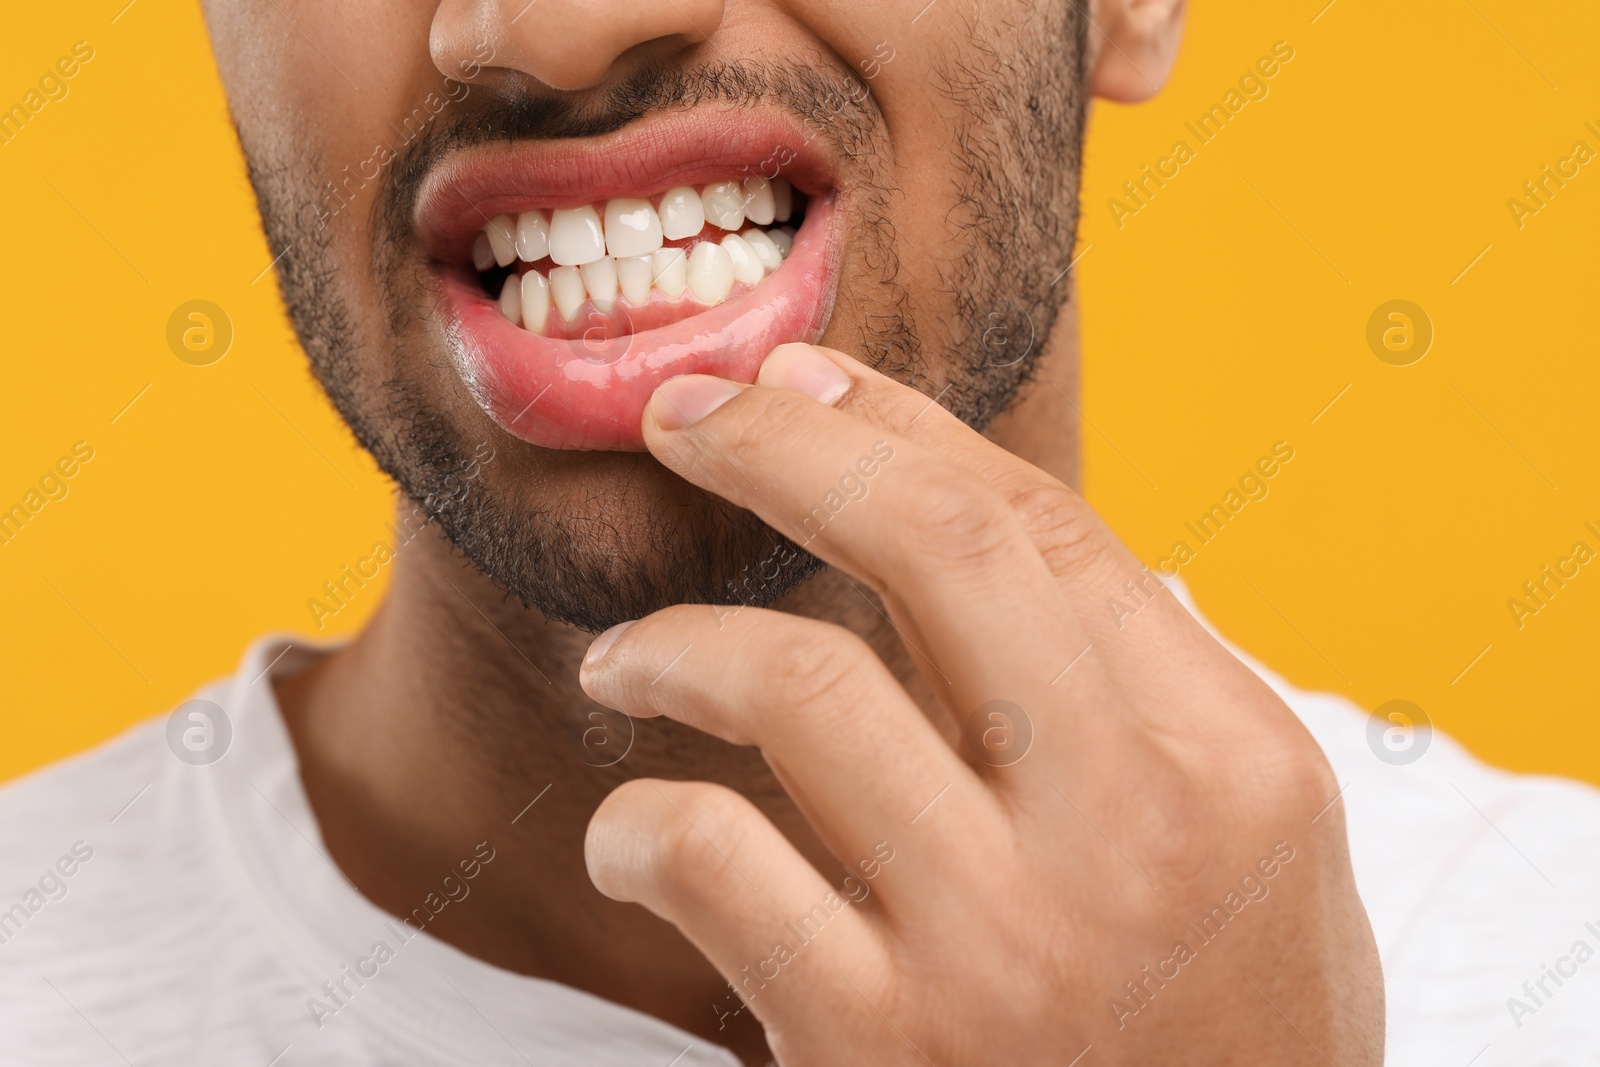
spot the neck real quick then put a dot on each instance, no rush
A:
(455, 718)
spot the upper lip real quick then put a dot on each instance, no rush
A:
(471, 186)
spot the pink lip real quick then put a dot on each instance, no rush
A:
(588, 390)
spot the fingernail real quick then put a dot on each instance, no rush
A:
(805, 370)
(685, 400)
(602, 644)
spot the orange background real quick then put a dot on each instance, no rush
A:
(1224, 316)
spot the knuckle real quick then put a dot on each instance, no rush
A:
(819, 671)
(1199, 826)
(757, 416)
(1066, 529)
(1178, 839)
(649, 835)
(959, 521)
(896, 409)
(1291, 774)
(703, 833)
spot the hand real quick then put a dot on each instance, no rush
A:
(1111, 842)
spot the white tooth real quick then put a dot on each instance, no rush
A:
(502, 238)
(535, 301)
(511, 299)
(724, 205)
(566, 289)
(746, 267)
(782, 199)
(533, 236)
(710, 272)
(600, 279)
(682, 213)
(633, 275)
(783, 237)
(632, 228)
(482, 252)
(670, 268)
(759, 204)
(765, 250)
(576, 237)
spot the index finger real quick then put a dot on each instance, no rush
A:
(1134, 630)
(947, 552)
(1082, 552)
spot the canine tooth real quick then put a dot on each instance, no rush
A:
(566, 291)
(576, 237)
(533, 236)
(511, 299)
(682, 213)
(782, 199)
(783, 237)
(759, 203)
(502, 239)
(600, 279)
(482, 252)
(710, 272)
(632, 228)
(535, 301)
(724, 205)
(746, 267)
(670, 268)
(633, 275)
(765, 250)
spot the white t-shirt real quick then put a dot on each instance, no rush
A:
(158, 911)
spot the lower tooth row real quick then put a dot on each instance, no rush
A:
(708, 273)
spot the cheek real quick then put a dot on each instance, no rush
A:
(321, 111)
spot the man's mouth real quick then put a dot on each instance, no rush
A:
(578, 276)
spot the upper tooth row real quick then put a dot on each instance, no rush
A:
(572, 237)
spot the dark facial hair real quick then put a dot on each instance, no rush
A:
(627, 545)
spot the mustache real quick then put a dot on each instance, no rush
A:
(835, 105)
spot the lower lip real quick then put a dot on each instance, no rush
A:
(590, 393)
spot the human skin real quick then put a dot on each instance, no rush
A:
(774, 749)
